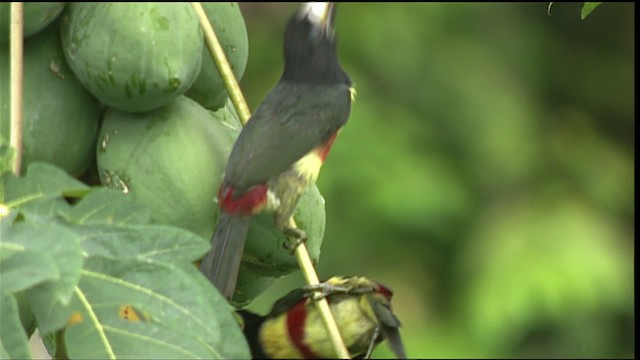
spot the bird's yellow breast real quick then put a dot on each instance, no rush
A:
(309, 166)
(354, 321)
(355, 325)
(275, 340)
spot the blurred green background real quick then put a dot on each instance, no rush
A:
(486, 173)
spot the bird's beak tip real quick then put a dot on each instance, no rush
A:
(319, 13)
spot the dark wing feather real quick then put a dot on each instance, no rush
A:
(292, 120)
(285, 303)
(389, 324)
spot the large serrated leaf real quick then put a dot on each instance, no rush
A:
(57, 242)
(109, 206)
(142, 309)
(152, 242)
(14, 343)
(40, 190)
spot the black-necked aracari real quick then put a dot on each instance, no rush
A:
(281, 149)
(294, 329)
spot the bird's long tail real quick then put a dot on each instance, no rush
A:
(222, 263)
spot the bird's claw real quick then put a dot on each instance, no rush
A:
(372, 343)
(296, 237)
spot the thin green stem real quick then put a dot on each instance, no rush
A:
(304, 261)
(220, 59)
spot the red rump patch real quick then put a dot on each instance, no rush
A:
(323, 150)
(246, 203)
(296, 318)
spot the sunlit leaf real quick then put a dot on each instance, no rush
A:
(587, 8)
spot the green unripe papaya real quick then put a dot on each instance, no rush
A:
(60, 119)
(265, 256)
(171, 158)
(228, 24)
(134, 57)
(265, 252)
(37, 16)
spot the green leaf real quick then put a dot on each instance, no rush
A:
(109, 206)
(40, 182)
(587, 8)
(152, 242)
(6, 220)
(136, 308)
(52, 241)
(14, 343)
(24, 269)
(40, 190)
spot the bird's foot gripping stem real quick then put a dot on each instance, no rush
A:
(337, 285)
(372, 343)
(296, 237)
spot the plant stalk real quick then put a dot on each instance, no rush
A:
(16, 94)
(220, 59)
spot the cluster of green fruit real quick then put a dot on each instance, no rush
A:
(130, 91)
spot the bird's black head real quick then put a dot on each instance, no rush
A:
(250, 325)
(310, 47)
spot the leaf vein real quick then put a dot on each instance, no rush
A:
(149, 339)
(99, 328)
(150, 293)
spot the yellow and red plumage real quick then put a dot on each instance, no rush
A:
(294, 329)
